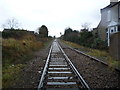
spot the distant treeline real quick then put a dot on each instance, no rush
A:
(16, 33)
(85, 38)
(21, 33)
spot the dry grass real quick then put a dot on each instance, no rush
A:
(11, 74)
(72, 44)
(103, 55)
(15, 53)
(13, 50)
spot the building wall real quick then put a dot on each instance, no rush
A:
(114, 48)
(103, 24)
(104, 16)
(114, 13)
(102, 33)
(108, 14)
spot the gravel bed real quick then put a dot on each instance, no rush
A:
(95, 74)
(31, 73)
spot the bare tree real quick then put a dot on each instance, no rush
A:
(86, 26)
(11, 24)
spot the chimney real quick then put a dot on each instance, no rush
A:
(113, 1)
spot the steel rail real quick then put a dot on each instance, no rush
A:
(88, 55)
(45, 70)
(91, 57)
(85, 85)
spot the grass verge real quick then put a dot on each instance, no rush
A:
(11, 75)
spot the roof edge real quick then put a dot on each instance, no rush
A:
(110, 5)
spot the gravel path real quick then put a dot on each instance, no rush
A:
(96, 74)
(31, 73)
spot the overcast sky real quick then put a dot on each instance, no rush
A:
(55, 14)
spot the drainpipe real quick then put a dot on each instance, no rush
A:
(108, 36)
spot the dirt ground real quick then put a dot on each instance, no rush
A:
(31, 73)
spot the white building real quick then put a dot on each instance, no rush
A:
(110, 20)
(113, 19)
(113, 27)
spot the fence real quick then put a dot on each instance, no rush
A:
(114, 48)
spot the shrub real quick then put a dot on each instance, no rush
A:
(16, 33)
(99, 44)
(14, 50)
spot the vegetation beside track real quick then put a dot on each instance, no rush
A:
(18, 47)
(100, 54)
(15, 56)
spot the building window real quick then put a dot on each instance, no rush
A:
(112, 30)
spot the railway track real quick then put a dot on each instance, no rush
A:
(59, 72)
(91, 57)
(88, 66)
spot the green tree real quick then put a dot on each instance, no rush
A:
(71, 35)
(67, 34)
(86, 38)
(43, 31)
